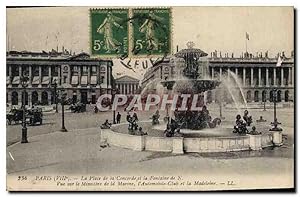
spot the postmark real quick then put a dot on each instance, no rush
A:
(151, 31)
(109, 32)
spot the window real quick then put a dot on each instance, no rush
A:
(65, 79)
(94, 70)
(264, 95)
(54, 71)
(35, 70)
(75, 70)
(256, 98)
(84, 70)
(15, 70)
(286, 96)
(45, 71)
(249, 96)
(25, 70)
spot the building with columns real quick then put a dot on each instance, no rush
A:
(256, 76)
(127, 85)
(83, 78)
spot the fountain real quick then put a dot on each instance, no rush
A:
(190, 130)
(194, 81)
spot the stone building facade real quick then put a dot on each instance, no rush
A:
(255, 76)
(83, 78)
(127, 85)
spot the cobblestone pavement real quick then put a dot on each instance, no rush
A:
(78, 151)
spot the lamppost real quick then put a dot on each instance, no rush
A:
(275, 123)
(55, 95)
(24, 79)
(63, 97)
(264, 99)
(114, 111)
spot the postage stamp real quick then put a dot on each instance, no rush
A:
(151, 31)
(109, 32)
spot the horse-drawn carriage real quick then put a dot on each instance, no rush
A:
(78, 107)
(15, 115)
(32, 116)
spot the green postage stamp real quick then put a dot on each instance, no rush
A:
(109, 32)
(130, 32)
(151, 31)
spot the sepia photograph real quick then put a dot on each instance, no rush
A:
(150, 98)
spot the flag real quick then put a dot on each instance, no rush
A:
(279, 61)
(247, 36)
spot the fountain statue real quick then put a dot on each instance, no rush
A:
(196, 81)
(155, 118)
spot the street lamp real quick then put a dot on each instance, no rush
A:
(63, 97)
(275, 123)
(112, 101)
(55, 95)
(24, 79)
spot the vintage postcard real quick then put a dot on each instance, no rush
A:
(150, 98)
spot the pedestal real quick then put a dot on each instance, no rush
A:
(277, 138)
(139, 143)
(177, 145)
(255, 142)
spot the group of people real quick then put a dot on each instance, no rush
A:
(107, 125)
(132, 120)
(133, 126)
(241, 124)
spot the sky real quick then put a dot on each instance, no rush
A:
(210, 28)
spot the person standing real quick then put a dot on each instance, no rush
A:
(118, 118)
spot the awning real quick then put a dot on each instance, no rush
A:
(45, 80)
(84, 80)
(74, 80)
(7, 79)
(93, 80)
(16, 80)
(35, 80)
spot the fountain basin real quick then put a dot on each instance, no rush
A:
(192, 85)
(154, 141)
